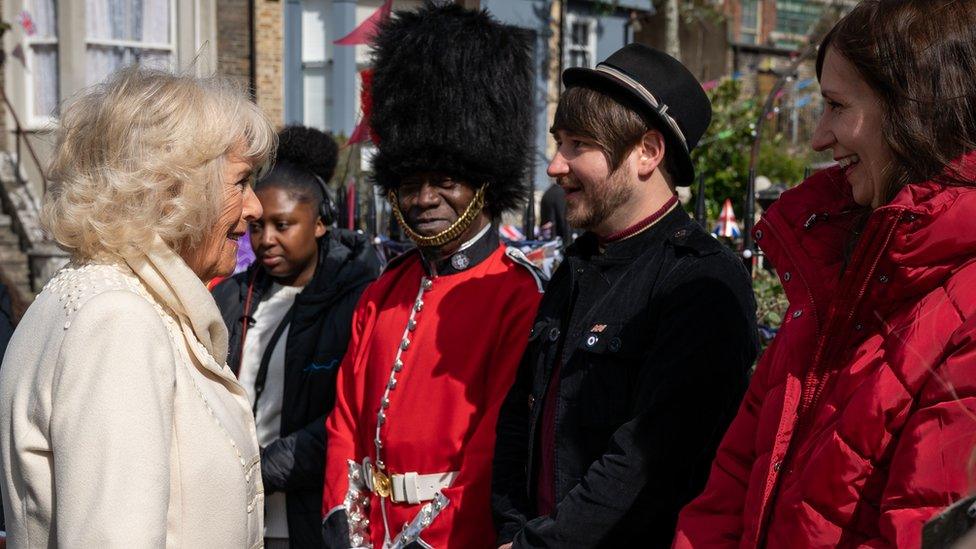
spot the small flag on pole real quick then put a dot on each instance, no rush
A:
(727, 226)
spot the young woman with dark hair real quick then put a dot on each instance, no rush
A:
(860, 420)
(289, 318)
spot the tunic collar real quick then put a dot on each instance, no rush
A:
(470, 253)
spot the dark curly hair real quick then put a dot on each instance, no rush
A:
(303, 153)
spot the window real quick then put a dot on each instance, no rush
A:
(580, 48)
(121, 32)
(316, 68)
(795, 18)
(749, 22)
(41, 58)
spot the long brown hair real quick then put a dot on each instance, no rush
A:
(919, 56)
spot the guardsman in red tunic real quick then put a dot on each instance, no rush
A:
(437, 339)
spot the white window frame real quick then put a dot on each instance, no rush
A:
(317, 61)
(569, 47)
(30, 119)
(755, 31)
(171, 48)
(192, 40)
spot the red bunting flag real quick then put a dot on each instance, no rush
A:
(362, 132)
(363, 34)
(710, 85)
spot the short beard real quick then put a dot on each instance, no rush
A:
(601, 201)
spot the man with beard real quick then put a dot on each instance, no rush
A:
(438, 337)
(639, 353)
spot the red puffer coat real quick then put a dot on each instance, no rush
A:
(860, 421)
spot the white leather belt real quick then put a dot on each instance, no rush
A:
(407, 487)
(414, 488)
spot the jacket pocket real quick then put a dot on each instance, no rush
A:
(608, 358)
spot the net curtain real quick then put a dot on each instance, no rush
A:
(44, 63)
(144, 21)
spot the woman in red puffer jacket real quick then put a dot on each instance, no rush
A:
(860, 420)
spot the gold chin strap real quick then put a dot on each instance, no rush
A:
(455, 230)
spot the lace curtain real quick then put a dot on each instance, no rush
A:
(122, 32)
(44, 58)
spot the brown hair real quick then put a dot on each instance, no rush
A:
(919, 56)
(615, 126)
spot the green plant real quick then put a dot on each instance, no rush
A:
(722, 155)
(771, 302)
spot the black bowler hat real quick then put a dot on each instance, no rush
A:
(663, 88)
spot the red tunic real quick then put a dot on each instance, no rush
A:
(463, 352)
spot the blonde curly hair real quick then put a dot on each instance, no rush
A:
(142, 154)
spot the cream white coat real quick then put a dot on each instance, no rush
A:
(120, 425)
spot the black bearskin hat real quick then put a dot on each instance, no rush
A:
(452, 93)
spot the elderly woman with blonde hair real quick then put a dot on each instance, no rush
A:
(120, 424)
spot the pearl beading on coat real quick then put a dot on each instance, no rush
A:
(73, 287)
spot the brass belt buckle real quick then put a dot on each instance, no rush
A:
(381, 483)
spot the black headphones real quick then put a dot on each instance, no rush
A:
(327, 208)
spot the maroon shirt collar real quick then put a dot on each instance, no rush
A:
(640, 225)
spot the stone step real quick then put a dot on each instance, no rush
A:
(8, 255)
(9, 237)
(17, 278)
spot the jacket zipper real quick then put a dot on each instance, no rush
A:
(812, 380)
(810, 403)
(818, 329)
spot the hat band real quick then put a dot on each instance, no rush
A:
(661, 108)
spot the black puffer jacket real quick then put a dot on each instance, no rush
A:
(317, 338)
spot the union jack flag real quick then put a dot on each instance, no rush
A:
(727, 226)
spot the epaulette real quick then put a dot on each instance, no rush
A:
(695, 239)
(399, 258)
(518, 257)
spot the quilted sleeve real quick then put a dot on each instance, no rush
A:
(930, 468)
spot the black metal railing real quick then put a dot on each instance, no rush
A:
(22, 142)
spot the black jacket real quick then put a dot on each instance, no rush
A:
(321, 324)
(656, 336)
(954, 526)
(552, 209)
